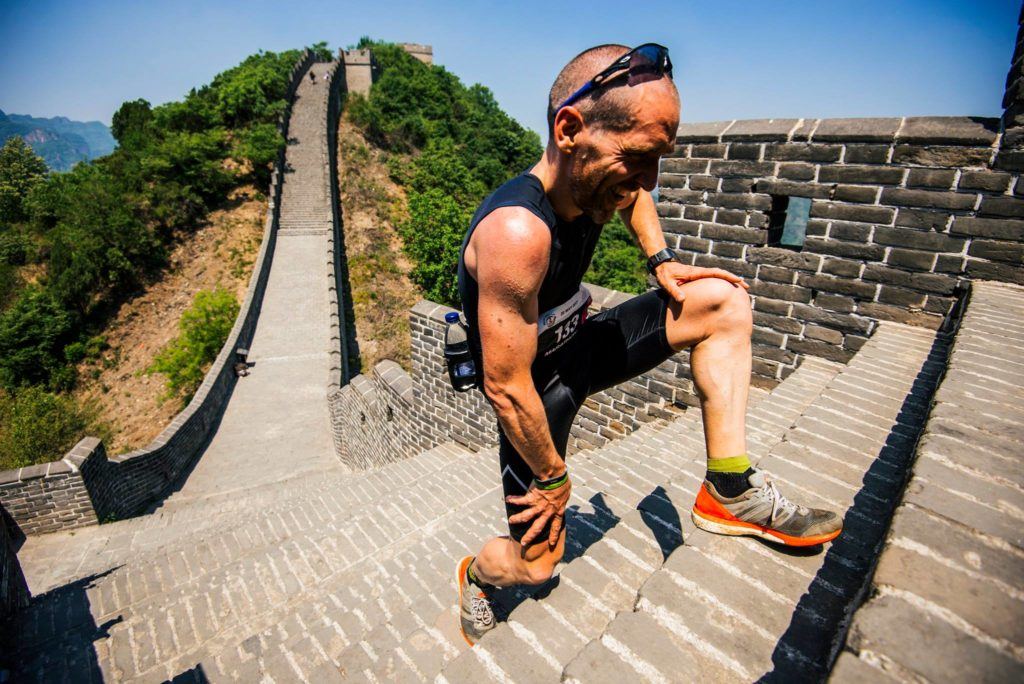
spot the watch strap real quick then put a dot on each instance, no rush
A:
(659, 258)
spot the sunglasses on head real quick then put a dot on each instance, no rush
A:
(643, 60)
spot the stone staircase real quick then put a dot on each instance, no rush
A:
(718, 608)
(349, 577)
(305, 198)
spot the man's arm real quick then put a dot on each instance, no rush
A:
(641, 217)
(511, 261)
(512, 248)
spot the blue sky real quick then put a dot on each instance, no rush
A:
(733, 59)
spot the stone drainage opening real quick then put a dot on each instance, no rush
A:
(787, 221)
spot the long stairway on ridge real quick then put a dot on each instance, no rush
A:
(273, 442)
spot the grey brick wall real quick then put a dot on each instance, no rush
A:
(86, 486)
(393, 415)
(1011, 153)
(902, 210)
(14, 593)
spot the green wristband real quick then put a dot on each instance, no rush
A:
(553, 483)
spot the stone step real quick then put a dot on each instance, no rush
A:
(648, 490)
(737, 609)
(144, 587)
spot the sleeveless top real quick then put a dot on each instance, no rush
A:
(562, 299)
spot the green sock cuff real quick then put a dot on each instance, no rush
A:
(735, 464)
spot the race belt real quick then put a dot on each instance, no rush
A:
(557, 325)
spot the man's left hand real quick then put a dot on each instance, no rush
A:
(671, 275)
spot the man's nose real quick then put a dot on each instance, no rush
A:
(649, 176)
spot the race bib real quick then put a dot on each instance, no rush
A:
(557, 325)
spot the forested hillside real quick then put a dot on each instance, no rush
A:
(61, 142)
(76, 247)
(446, 146)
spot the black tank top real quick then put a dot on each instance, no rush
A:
(563, 301)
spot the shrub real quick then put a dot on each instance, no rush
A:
(203, 329)
(37, 427)
(618, 263)
(32, 337)
(20, 170)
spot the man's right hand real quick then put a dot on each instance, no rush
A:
(543, 505)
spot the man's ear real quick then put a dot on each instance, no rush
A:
(568, 125)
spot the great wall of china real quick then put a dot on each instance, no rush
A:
(301, 523)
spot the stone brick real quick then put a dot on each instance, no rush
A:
(698, 182)
(952, 157)
(1007, 207)
(855, 193)
(917, 239)
(923, 219)
(841, 267)
(778, 256)
(681, 196)
(684, 165)
(790, 189)
(949, 263)
(732, 217)
(736, 234)
(889, 312)
(856, 130)
(739, 201)
(817, 332)
(681, 226)
(820, 349)
(732, 250)
(858, 232)
(802, 152)
(737, 184)
(852, 212)
(708, 151)
(890, 294)
(746, 169)
(905, 258)
(701, 132)
(1000, 229)
(853, 288)
(931, 178)
(761, 130)
(854, 250)
(790, 293)
(987, 181)
(797, 171)
(776, 275)
(835, 302)
(928, 199)
(948, 130)
(744, 151)
(928, 282)
(698, 213)
(694, 244)
(672, 180)
(885, 175)
(993, 250)
(866, 154)
(988, 270)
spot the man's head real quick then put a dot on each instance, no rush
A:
(609, 141)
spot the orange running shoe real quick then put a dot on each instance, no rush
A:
(476, 614)
(762, 511)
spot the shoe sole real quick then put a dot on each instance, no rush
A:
(742, 529)
(460, 573)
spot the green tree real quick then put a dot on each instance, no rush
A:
(618, 263)
(37, 426)
(203, 329)
(131, 123)
(32, 336)
(432, 237)
(20, 170)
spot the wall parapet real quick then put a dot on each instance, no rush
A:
(87, 486)
(902, 212)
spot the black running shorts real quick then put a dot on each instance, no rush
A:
(609, 348)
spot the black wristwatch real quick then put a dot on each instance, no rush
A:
(659, 258)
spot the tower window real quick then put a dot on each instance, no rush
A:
(787, 221)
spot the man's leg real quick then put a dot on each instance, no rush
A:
(715, 322)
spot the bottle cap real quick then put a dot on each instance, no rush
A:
(451, 317)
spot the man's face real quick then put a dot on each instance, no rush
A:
(609, 167)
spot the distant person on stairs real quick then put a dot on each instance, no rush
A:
(612, 113)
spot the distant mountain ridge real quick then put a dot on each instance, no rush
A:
(60, 141)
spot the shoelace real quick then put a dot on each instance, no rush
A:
(780, 504)
(482, 612)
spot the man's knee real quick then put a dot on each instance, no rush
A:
(726, 305)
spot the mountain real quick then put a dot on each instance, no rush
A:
(60, 141)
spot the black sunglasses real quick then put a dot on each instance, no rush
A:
(649, 58)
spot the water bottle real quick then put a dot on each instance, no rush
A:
(461, 367)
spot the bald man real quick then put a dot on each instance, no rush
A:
(612, 114)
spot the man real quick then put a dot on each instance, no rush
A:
(612, 114)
